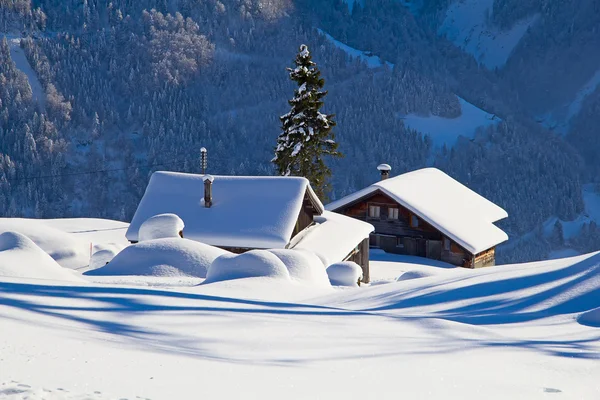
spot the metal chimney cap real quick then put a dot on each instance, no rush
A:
(384, 167)
(209, 178)
(203, 149)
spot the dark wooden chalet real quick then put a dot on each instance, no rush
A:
(426, 213)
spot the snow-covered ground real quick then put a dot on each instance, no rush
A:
(371, 60)
(466, 25)
(18, 56)
(447, 130)
(559, 120)
(527, 331)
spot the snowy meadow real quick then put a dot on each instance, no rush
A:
(420, 330)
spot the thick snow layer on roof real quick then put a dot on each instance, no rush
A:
(162, 257)
(252, 212)
(463, 215)
(333, 237)
(20, 257)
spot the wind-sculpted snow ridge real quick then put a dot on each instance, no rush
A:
(20, 257)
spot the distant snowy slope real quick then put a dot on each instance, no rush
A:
(372, 61)
(19, 58)
(571, 229)
(447, 130)
(466, 25)
(559, 119)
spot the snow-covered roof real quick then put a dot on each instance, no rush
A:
(333, 236)
(249, 212)
(458, 212)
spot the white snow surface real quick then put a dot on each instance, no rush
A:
(332, 237)
(345, 273)
(466, 25)
(169, 257)
(247, 212)
(303, 266)
(534, 325)
(463, 215)
(160, 227)
(18, 56)
(68, 250)
(20, 257)
(372, 61)
(447, 130)
(252, 264)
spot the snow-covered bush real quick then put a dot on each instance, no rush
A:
(254, 263)
(303, 266)
(162, 257)
(20, 257)
(414, 275)
(103, 254)
(65, 248)
(345, 273)
(161, 226)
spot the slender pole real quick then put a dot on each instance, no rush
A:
(203, 160)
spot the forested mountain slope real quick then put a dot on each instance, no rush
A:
(135, 86)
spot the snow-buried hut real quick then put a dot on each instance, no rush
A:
(240, 213)
(426, 213)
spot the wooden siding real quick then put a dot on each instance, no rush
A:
(400, 236)
(360, 255)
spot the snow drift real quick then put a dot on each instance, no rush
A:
(161, 226)
(416, 275)
(66, 249)
(252, 264)
(345, 273)
(303, 266)
(162, 257)
(20, 257)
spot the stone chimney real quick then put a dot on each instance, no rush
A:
(385, 171)
(208, 181)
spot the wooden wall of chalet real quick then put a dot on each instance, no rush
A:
(361, 256)
(402, 236)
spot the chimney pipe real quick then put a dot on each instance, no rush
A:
(208, 181)
(203, 160)
(385, 171)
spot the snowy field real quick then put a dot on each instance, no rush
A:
(528, 331)
(466, 25)
(447, 130)
(18, 56)
(371, 60)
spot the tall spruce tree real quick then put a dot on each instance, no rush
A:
(306, 137)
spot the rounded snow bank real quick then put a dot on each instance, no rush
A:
(20, 257)
(162, 257)
(161, 226)
(65, 248)
(303, 266)
(590, 318)
(415, 275)
(345, 273)
(252, 264)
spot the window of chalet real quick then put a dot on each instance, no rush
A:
(374, 211)
(392, 213)
(414, 221)
(446, 244)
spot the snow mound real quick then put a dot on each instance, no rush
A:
(168, 257)
(65, 248)
(415, 275)
(303, 266)
(590, 318)
(161, 226)
(20, 257)
(252, 264)
(345, 273)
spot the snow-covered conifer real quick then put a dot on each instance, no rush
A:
(306, 137)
